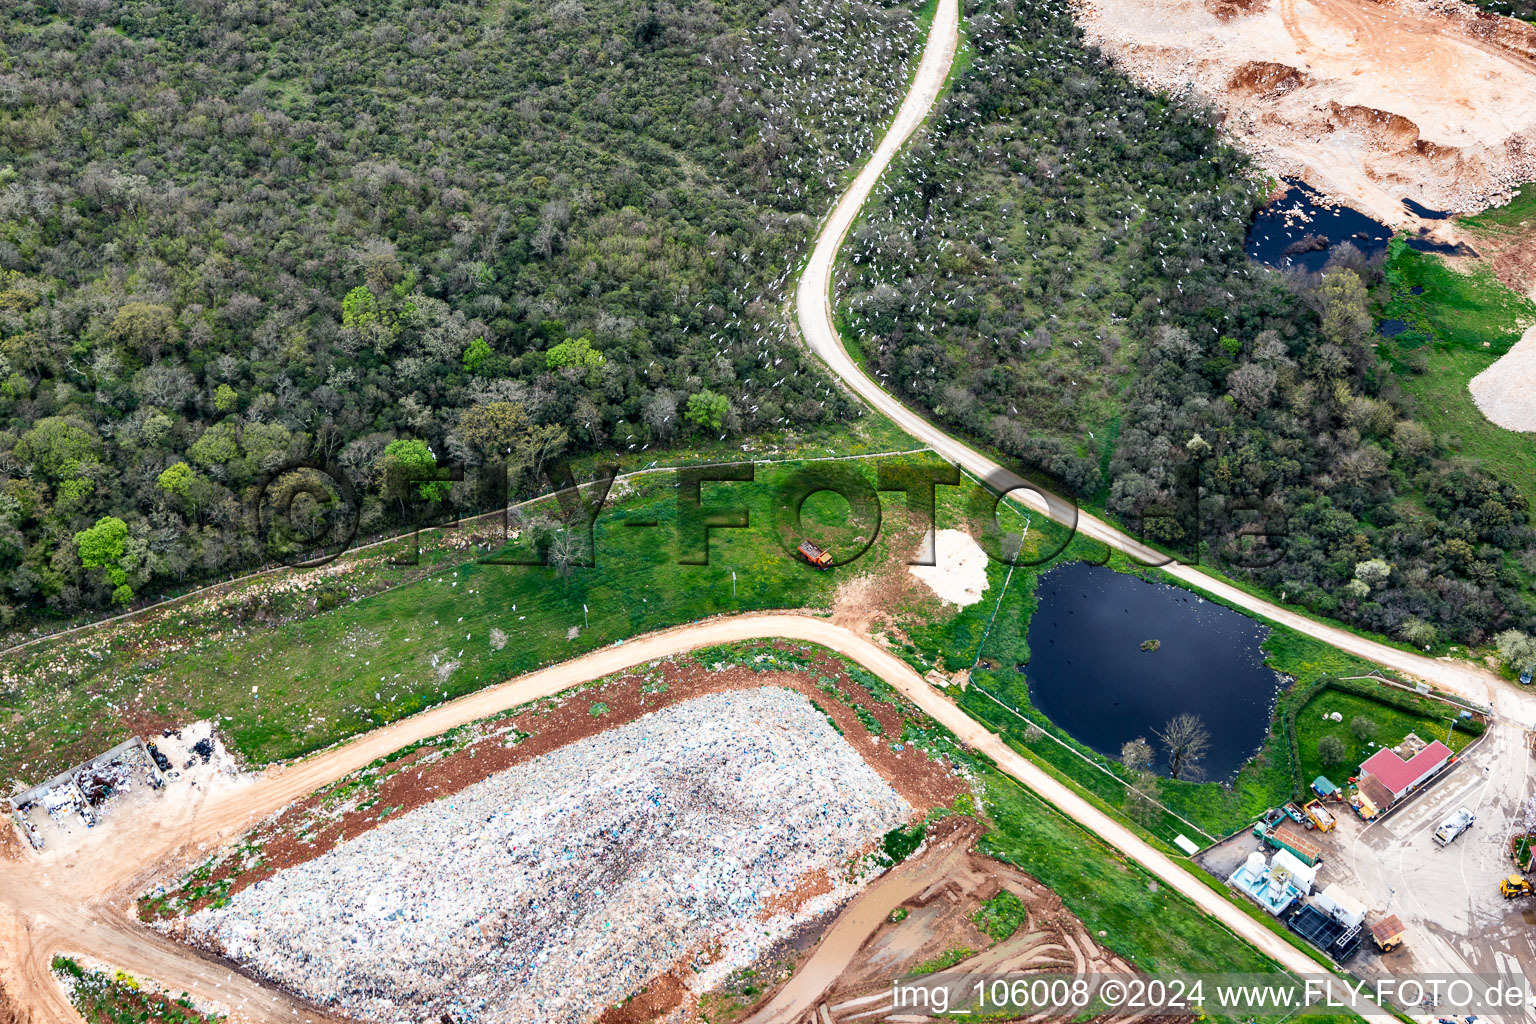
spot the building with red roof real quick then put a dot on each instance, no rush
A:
(1399, 777)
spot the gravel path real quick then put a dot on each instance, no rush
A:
(578, 876)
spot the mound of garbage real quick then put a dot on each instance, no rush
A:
(554, 888)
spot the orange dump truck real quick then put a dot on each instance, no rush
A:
(814, 555)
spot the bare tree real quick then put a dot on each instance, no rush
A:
(1186, 739)
(1136, 754)
(565, 551)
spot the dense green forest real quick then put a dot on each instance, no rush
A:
(234, 233)
(1057, 269)
(1525, 9)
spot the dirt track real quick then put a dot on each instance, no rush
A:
(1369, 101)
(80, 902)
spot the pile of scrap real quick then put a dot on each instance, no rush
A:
(82, 793)
(669, 843)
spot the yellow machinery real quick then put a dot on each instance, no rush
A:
(1514, 887)
(1388, 933)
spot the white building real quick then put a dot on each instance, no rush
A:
(1340, 905)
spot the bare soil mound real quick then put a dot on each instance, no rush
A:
(1369, 102)
(1506, 391)
(1226, 10)
(1266, 78)
(1382, 128)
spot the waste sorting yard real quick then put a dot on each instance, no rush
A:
(120, 781)
(578, 876)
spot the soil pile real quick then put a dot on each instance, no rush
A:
(1506, 391)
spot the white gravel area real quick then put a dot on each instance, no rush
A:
(554, 888)
(1506, 391)
(960, 575)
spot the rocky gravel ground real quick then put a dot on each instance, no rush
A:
(561, 885)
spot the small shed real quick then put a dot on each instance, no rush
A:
(1374, 798)
(1325, 789)
(1388, 933)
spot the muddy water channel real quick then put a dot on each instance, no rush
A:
(1089, 671)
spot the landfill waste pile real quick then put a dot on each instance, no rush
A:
(562, 885)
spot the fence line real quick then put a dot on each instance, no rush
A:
(1088, 760)
(378, 542)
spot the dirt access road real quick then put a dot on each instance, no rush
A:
(813, 303)
(80, 901)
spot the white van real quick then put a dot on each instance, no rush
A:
(1454, 826)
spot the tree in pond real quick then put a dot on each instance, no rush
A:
(1136, 754)
(1187, 740)
(1330, 750)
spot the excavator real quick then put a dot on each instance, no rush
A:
(1515, 886)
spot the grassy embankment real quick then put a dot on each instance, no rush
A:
(279, 691)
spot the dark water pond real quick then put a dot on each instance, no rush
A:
(1446, 248)
(1298, 231)
(1420, 210)
(1392, 328)
(1089, 674)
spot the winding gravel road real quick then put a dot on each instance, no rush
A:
(80, 901)
(813, 304)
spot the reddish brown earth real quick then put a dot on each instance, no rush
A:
(307, 828)
(10, 1012)
(661, 998)
(1266, 78)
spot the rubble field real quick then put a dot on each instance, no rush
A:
(875, 722)
(722, 816)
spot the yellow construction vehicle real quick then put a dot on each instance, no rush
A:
(1514, 887)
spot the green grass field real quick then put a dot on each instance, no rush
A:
(282, 691)
(1446, 407)
(1142, 920)
(1473, 311)
(1459, 326)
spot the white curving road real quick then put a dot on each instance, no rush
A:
(813, 304)
(78, 901)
